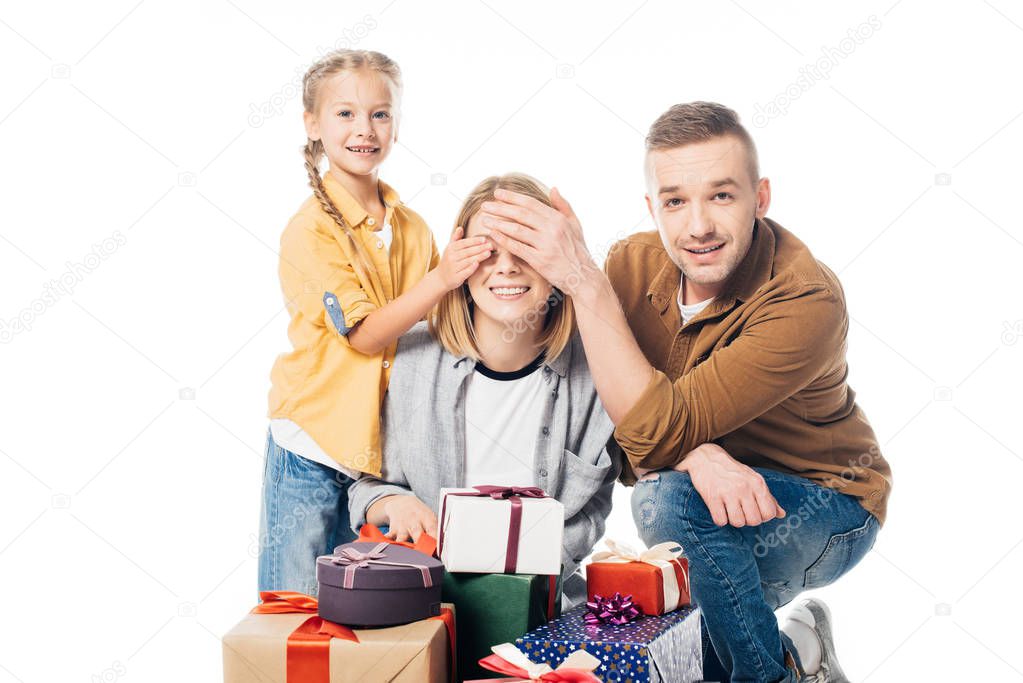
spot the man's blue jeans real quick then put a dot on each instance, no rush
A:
(739, 576)
(304, 514)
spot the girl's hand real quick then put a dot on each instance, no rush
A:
(462, 257)
(408, 518)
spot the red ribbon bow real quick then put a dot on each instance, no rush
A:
(308, 645)
(308, 650)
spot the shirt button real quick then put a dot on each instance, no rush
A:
(543, 473)
(380, 245)
(371, 221)
(330, 302)
(387, 364)
(545, 431)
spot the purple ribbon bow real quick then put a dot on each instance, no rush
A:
(514, 495)
(617, 609)
(505, 492)
(353, 560)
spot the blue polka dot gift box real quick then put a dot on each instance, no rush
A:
(650, 649)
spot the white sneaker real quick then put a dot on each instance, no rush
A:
(815, 614)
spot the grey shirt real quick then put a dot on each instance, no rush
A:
(576, 459)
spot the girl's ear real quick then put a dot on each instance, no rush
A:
(312, 125)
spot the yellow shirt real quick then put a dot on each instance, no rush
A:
(329, 389)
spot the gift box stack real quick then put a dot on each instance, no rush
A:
(637, 622)
(379, 617)
(501, 547)
(386, 611)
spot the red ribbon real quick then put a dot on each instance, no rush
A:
(552, 595)
(514, 495)
(309, 645)
(448, 617)
(502, 666)
(426, 543)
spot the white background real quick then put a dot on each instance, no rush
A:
(172, 130)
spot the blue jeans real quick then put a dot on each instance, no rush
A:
(740, 576)
(304, 514)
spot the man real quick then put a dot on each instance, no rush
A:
(717, 345)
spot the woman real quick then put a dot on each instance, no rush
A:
(495, 390)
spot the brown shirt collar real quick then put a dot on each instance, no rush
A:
(753, 272)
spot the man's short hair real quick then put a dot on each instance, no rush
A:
(691, 122)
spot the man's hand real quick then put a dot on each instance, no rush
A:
(461, 257)
(734, 493)
(548, 239)
(407, 516)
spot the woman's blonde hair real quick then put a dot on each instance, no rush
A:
(332, 63)
(450, 321)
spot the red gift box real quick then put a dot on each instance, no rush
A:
(657, 578)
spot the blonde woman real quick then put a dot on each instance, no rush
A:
(494, 390)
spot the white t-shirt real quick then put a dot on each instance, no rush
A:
(689, 311)
(386, 235)
(503, 413)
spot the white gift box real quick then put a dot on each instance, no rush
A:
(475, 534)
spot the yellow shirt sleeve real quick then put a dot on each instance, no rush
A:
(318, 279)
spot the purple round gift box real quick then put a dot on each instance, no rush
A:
(381, 594)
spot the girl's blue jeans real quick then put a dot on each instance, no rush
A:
(304, 514)
(740, 576)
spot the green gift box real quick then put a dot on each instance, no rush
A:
(497, 608)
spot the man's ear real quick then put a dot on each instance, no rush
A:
(763, 196)
(650, 206)
(312, 126)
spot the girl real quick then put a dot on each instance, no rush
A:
(495, 391)
(357, 268)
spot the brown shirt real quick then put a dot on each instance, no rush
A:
(761, 371)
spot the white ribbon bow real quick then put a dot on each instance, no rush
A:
(579, 659)
(662, 556)
(619, 552)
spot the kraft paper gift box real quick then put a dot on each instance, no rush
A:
(655, 649)
(657, 578)
(257, 650)
(378, 584)
(497, 608)
(500, 529)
